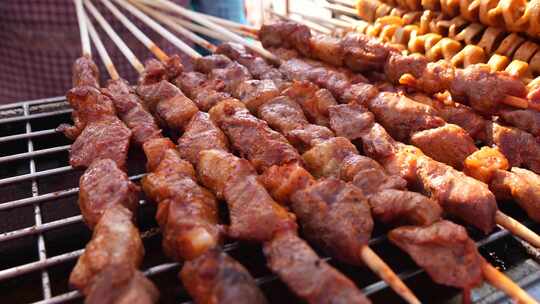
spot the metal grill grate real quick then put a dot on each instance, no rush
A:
(42, 233)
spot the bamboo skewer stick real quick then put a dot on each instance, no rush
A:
(113, 73)
(333, 21)
(158, 28)
(345, 2)
(238, 28)
(492, 275)
(126, 51)
(201, 29)
(136, 31)
(517, 228)
(170, 22)
(502, 282)
(314, 26)
(340, 9)
(83, 28)
(378, 266)
(224, 22)
(202, 20)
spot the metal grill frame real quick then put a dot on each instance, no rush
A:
(20, 111)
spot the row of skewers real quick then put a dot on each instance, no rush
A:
(283, 123)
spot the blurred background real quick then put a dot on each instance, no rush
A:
(40, 40)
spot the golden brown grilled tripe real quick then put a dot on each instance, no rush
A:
(514, 16)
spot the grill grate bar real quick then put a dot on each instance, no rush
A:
(39, 198)
(34, 175)
(51, 261)
(27, 135)
(33, 102)
(34, 116)
(65, 297)
(38, 265)
(48, 196)
(21, 112)
(33, 153)
(380, 285)
(44, 227)
(42, 250)
(39, 228)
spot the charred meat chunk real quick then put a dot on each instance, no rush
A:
(291, 259)
(102, 186)
(444, 250)
(215, 277)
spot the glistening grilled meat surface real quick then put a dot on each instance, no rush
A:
(335, 216)
(326, 156)
(103, 139)
(115, 243)
(107, 270)
(476, 85)
(187, 213)
(442, 243)
(254, 214)
(216, 278)
(102, 186)
(130, 109)
(309, 276)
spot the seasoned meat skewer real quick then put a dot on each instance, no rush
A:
(302, 200)
(311, 197)
(354, 297)
(98, 133)
(108, 200)
(250, 205)
(441, 275)
(361, 53)
(187, 213)
(294, 67)
(486, 201)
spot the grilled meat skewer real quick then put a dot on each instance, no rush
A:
(108, 200)
(486, 91)
(235, 180)
(306, 200)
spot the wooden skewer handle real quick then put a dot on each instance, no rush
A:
(377, 265)
(517, 229)
(502, 282)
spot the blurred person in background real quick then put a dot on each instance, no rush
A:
(39, 41)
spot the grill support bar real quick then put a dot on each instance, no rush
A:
(24, 112)
(42, 250)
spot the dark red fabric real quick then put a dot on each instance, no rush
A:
(39, 41)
